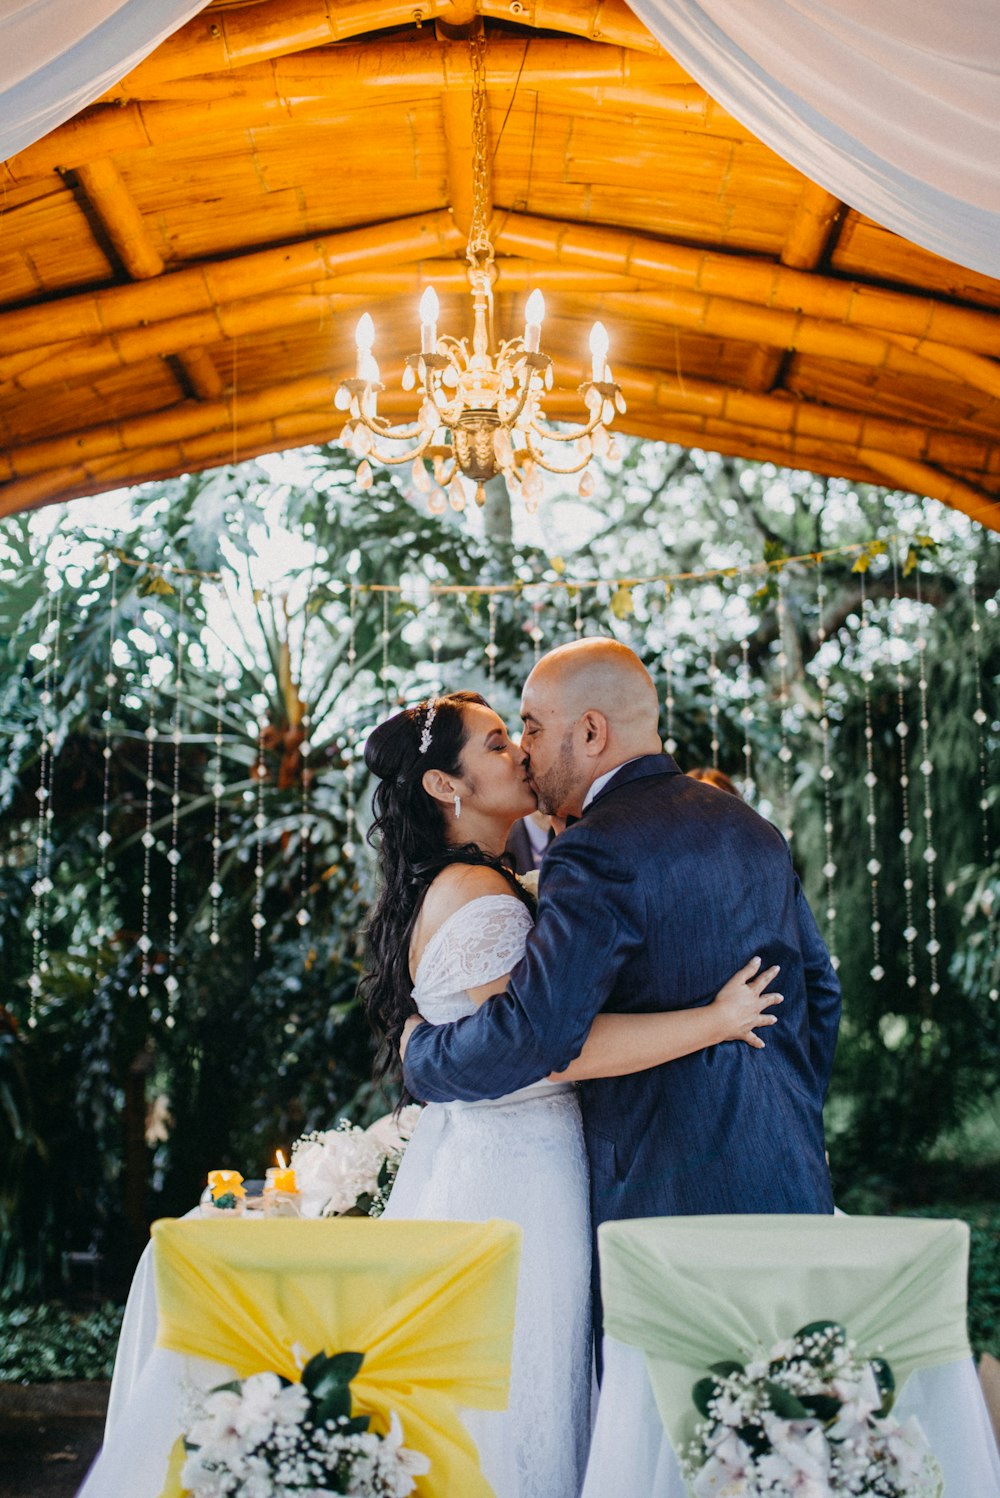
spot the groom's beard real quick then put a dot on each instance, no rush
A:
(557, 784)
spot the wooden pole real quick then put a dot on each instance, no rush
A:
(124, 225)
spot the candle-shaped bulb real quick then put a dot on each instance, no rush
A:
(364, 337)
(364, 334)
(534, 312)
(599, 344)
(429, 307)
(428, 320)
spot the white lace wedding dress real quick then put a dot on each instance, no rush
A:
(519, 1157)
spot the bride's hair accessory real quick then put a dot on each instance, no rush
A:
(430, 709)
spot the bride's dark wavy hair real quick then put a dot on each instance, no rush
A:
(408, 833)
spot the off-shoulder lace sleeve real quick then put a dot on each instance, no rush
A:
(479, 942)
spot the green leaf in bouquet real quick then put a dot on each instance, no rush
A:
(784, 1404)
(334, 1404)
(726, 1368)
(830, 1336)
(704, 1391)
(825, 1407)
(886, 1381)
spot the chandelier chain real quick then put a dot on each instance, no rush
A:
(479, 249)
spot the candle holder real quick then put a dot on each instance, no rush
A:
(281, 1193)
(224, 1196)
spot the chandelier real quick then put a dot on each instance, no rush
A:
(481, 409)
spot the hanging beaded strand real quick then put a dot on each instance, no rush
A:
(43, 795)
(302, 915)
(578, 613)
(491, 645)
(927, 770)
(979, 716)
(350, 813)
(902, 734)
(746, 717)
(148, 839)
(258, 920)
(384, 672)
(713, 699)
(170, 982)
(102, 931)
(871, 781)
(826, 770)
(784, 751)
(215, 888)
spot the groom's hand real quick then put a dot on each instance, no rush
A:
(408, 1029)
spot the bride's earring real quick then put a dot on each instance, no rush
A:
(458, 807)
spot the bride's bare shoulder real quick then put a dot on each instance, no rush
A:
(454, 887)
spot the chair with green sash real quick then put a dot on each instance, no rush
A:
(682, 1294)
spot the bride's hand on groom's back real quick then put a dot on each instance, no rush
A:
(408, 1029)
(742, 1004)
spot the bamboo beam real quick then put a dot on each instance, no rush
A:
(724, 317)
(748, 279)
(200, 373)
(919, 478)
(806, 243)
(698, 399)
(124, 225)
(215, 42)
(308, 427)
(815, 220)
(456, 111)
(120, 218)
(780, 413)
(202, 287)
(314, 90)
(317, 303)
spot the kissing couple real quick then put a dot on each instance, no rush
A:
(590, 1058)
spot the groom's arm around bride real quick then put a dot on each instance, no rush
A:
(662, 889)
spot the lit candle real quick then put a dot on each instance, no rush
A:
(364, 338)
(599, 343)
(281, 1177)
(533, 314)
(428, 321)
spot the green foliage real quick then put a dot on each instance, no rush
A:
(249, 1052)
(48, 1343)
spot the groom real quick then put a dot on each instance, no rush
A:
(662, 889)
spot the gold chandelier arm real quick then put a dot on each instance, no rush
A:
(574, 436)
(538, 457)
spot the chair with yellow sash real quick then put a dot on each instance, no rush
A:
(682, 1294)
(430, 1305)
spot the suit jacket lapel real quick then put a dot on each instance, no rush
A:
(645, 767)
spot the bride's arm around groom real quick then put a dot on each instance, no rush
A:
(662, 889)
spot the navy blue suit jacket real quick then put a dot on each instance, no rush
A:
(650, 902)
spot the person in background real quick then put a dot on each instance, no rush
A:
(529, 839)
(714, 777)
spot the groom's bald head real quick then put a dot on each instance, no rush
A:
(587, 707)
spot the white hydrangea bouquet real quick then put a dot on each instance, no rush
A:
(809, 1419)
(350, 1170)
(264, 1437)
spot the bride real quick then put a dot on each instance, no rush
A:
(449, 924)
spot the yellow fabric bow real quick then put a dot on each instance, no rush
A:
(430, 1304)
(225, 1182)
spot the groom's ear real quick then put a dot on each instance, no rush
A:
(595, 732)
(437, 786)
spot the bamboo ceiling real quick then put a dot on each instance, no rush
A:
(183, 264)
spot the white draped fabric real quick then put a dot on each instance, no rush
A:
(58, 56)
(893, 107)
